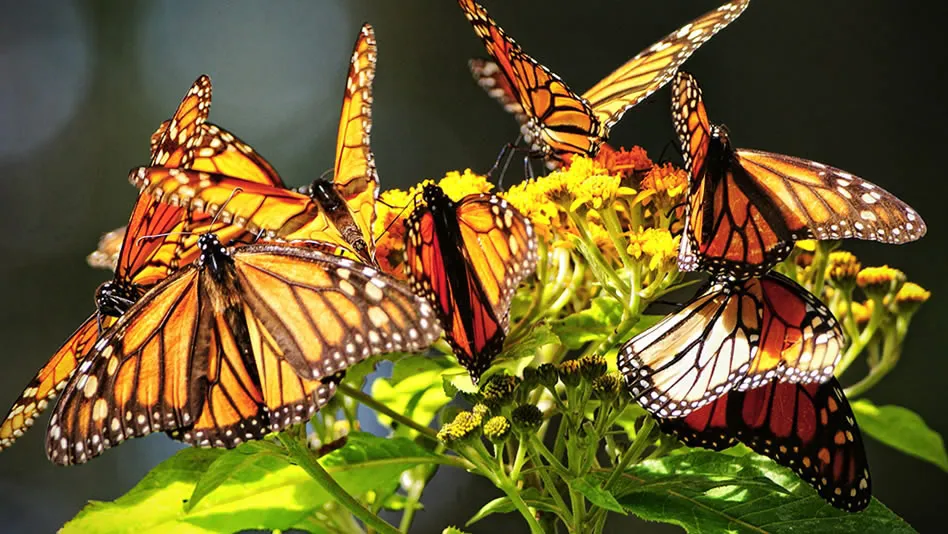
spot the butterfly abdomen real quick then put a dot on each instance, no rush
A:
(334, 206)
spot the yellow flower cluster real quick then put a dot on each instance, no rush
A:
(657, 246)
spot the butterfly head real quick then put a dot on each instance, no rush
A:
(434, 197)
(719, 133)
(113, 298)
(324, 193)
(213, 254)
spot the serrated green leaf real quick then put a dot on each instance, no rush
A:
(263, 491)
(901, 429)
(596, 495)
(415, 391)
(503, 505)
(591, 324)
(355, 375)
(704, 491)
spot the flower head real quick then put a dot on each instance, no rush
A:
(626, 162)
(499, 390)
(547, 375)
(606, 387)
(880, 281)
(526, 418)
(458, 185)
(664, 184)
(569, 372)
(497, 428)
(656, 246)
(593, 366)
(861, 312)
(842, 269)
(466, 425)
(910, 297)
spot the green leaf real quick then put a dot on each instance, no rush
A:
(901, 429)
(704, 491)
(597, 495)
(155, 504)
(592, 324)
(415, 390)
(503, 505)
(261, 490)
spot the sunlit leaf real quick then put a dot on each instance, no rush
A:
(596, 495)
(254, 489)
(902, 429)
(704, 491)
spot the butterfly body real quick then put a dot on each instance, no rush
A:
(324, 193)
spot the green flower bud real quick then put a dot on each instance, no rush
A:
(569, 372)
(497, 428)
(593, 366)
(547, 375)
(606, 387)
(499, 390)
(526, 418)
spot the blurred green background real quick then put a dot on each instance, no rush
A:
(84, 84)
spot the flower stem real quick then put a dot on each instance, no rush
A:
(859, 343)
(503, 483)
(358, 395)
(891, 353)
(303, 457)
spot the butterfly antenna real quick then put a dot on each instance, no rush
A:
(397, 217)
(220, 210)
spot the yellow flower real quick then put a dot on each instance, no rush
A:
(655, 245)
(529, 198)
(459, 185)
(585, 183)
(879, 281)
(842, 268)
(807, 245)
(910, 297)
(626, 162)
(665, 182)
(600, 237)
(861, 312)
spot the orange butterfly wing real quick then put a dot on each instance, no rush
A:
(270, 212)
(468, 266)
(171, 142)
(807, 427)
(731, 336)
(747, 207)
(49, 381)
(354, 175)
(214, 354)
(561, 122)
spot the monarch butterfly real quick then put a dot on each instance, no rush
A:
(746, 207)
(138, 263)
(807, 427)
(732, 335)
(341, 212)
(188, 141)
(557, 122)
(467, 258)
(241, 342)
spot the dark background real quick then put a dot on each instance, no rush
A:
(82, 86)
